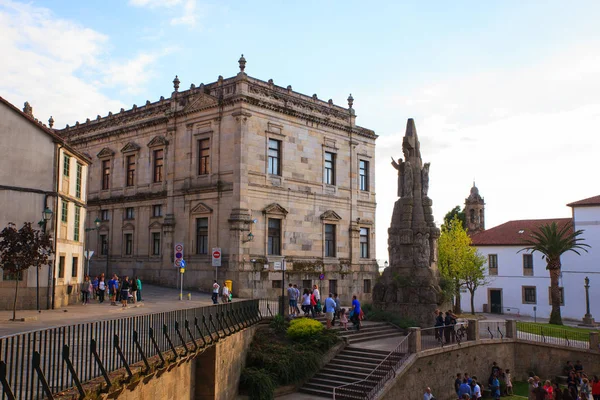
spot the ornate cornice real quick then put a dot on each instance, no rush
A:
(96, 201)
(275, 208)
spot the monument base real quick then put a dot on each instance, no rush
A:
(589, 321)
(422, 314)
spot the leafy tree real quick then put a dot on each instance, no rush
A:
(21, 249)
(456, 211)
(460, 264)
(553, 241)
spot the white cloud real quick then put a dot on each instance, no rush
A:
(48, 61)
(187, 10)
(190, 15)
(155, 3)
(527, 136)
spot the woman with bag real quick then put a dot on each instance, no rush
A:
(86, 289)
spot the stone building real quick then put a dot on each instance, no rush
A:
(475, 211)
(274, 178)
(42, 175)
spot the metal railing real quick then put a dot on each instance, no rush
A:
(439, 336)
(492, 329)
(37, 364)
(369, 387)
(552, 335)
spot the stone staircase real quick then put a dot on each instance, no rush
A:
(370, 331)
(350, 365)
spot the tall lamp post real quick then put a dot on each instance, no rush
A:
(87, 241)
(588, 320)
(46, 216)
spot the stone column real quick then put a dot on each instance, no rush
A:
(511, 329)
(595, 341)
(414, 340)
(473, 330)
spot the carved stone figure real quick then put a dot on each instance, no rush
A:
(400, 168)
(408, 180)
(425, 179)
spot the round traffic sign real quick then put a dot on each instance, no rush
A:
(216, 254)
(179, 248)
(178, 255)
(321, 277)
(178, 263)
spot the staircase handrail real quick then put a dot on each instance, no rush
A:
(386, 377)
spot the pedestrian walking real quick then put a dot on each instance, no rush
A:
(225, 293)
(125, 286)
(317, 296)
(101, 289)
(329, 310)
(215, 293)
(344, 318)
(139, 288)
(95, 287)
(297, 298)
(134, 290)
(355, 313)
(292, 300)
(338, 308)
(86, 288)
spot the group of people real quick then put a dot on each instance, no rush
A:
(445, 326)
(120, 290)
(312, 306)
(226, 295)
(579, 386)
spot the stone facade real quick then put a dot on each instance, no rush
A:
(39, 171)
(267, 174)
(410, 285)
(475, 211)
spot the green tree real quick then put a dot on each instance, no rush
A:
(552, 242)
(460, 264)
(21, 249)
(456, 211)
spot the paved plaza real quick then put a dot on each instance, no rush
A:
(155, 299)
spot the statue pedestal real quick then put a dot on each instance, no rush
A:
(588, 320)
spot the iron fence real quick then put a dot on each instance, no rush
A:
(439, 336)
(38, 364)
(372, 385)
(548, 334)
(492, 329)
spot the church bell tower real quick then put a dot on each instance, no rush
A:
(475, 211)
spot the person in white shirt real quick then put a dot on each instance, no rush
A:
(215, 293)
(428, 395)
(225, 294)
(476, 391)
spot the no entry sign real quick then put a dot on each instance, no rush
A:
(216, 257)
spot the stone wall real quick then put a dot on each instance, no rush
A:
(437, 368)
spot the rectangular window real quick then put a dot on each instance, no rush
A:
(61, 267)
(104, 216)
(562, 296)
(157, 210)
(66, 165)
(64, 215)
(105, 174)
(130, 161)
(527, 264)
(129, 213)
(367, 286)
(75, 268)
(329, 168)
(306, 284)
(329, 240)
(78, 181)
(276, 284)
(493, 264)
(529, 295)
(274, 245)
(155, 243)
(274, 157)
(128, 244)
(203, 157)
(364, 243)
(76, 223)
(363, 174)
(201, 235)
(103, 245)
(332, 286)
(158, 166)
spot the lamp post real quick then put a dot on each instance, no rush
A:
(587, 319)
(46, 216)
(87, 241)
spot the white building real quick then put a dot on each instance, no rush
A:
(40, 173)
(519, 282)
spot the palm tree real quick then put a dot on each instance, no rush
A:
(553, 241)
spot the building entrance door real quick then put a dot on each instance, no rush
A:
(496, 301)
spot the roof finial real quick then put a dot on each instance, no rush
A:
(51, 122)
(176, 83)
(27, 109)
(242, 62)
(350, 101)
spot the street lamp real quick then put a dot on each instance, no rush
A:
(46, 216)
(87, 237)
(385, 264)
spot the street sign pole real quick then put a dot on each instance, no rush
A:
(216, 261)
(179, 263)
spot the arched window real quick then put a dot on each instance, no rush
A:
(472, 215)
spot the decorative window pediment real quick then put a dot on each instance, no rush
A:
(366, 222)
(201, 208)
(275, 208)
(158, 141)
(105, 153)
(201, 101)
(128, 227)
(130, 147)
(330, 215)
(155, 225)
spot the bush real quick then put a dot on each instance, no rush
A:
(304, 329)
(257, 383)
(278, 324)
(373, 314)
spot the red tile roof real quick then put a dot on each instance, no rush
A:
(592, 201)
(511, 233)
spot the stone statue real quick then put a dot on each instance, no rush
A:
(408, 180)
(425, 179)
(400, 168)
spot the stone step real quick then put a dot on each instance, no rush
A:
(345, 364)
(340, 376)
(356, 376)
(316, 392)
(379, 357)
(334, 383)
(367, 329)
(363, 363)
(375, 337)
(364, 359)
(368, 351)
(350, 368)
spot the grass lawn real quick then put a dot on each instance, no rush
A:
(553, 330)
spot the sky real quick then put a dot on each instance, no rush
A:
(503, 93)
